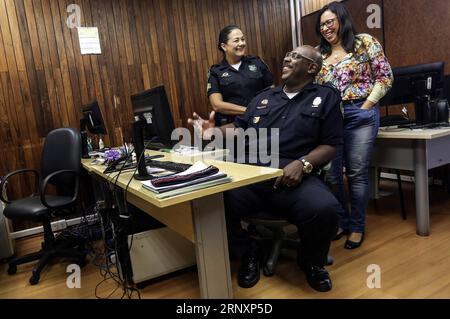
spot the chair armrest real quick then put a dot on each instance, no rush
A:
(50, 176)
(19, 171)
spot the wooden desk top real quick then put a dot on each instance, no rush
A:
(425, 134)
(241, 174)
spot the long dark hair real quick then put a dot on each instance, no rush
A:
(223, 35)
(347, 32)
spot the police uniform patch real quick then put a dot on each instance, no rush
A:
(208, 87)
(256, 119)
(225, 75)
(317, 101)
(252, 68)
(263, 104)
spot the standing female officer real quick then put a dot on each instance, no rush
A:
(357, 66)
(237, 79)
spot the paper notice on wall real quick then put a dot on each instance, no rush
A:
(89, 40)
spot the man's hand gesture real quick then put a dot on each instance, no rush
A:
(203, 128)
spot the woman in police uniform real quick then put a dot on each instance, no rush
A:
(237, 79)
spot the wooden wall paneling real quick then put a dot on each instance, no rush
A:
(96, 65)
(88, 79)
(254, 12)
(71, 104)
(185, 79)
(15, 34)
(30, 91)
(11, 132)
(122, 116)
(3, 62)
(124, 85)
(201, 64)
(60, 107)
(25, 112)
(15, 110)
(38, 113)
(72, 64)
(417, 32)
(249, 25)
(105, 63)
(135, 46)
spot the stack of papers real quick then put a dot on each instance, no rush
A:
(197, 181)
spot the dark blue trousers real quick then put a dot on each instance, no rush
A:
(310, 206)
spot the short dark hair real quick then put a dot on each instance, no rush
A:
(347, 32)
(223, 35)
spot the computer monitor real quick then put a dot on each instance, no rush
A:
(416, 84)
(153, 107)
(92, 120)
(153, 124)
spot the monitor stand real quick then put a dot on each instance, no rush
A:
(139, 149)
(84, 142)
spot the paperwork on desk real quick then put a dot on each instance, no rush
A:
(198, 176)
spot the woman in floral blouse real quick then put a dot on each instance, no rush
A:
(357, 66)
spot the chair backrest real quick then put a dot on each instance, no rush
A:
(62, 151)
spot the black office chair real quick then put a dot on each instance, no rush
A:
(271, 229)
(276, 235)
(60, 166)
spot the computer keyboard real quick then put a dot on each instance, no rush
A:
(395, 119)
(169, 166)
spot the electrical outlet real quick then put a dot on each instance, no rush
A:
(59, 225)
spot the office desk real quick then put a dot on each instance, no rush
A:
(199, 216)
(416, 151)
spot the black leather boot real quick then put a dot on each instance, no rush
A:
(318, 278)
(249, 271)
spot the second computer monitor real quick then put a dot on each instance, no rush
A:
(93, 118)
(153, 106)
(418, 84)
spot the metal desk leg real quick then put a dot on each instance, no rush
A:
(373, 183)
(212, 247)
(421, 188)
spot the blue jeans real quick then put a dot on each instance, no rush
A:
(360, 131)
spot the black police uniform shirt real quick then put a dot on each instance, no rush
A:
(238, 86)
(312, 118)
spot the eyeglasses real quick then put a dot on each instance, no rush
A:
(297, 56)
(329, 23)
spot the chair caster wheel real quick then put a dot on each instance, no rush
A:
(34, 279)
(268, 272)
(12, 269)
(140, 286)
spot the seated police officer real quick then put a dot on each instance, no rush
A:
(310, 126)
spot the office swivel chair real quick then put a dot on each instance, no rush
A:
(276, 235)
(273, 231)
(60, 167)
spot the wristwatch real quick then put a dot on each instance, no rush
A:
(307, 166)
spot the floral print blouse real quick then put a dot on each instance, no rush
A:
(361, 73)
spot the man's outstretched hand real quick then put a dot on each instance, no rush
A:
(201, 126)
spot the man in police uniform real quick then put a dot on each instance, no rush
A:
(311, 125)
